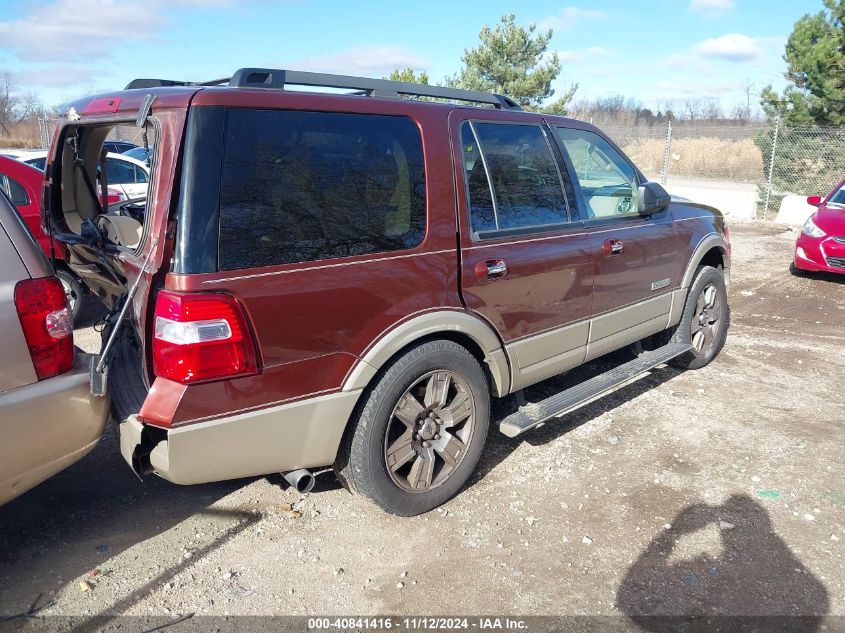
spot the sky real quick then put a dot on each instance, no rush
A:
(661, 52)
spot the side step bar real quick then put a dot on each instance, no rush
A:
(534, 414)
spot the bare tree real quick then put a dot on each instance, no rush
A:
(742, 111)
(15, 108)
(712, 111)
(8, 103)
(693, 109)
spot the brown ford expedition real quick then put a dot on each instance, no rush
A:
(348, 279)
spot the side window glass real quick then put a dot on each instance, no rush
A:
(140, 174)
(18, 194)
(119, 172)
(520, 170)
(608, 181)
(481, 213)
(304, 186)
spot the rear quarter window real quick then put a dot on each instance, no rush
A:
(18, 194)
(305, 186)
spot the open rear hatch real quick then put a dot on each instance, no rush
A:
(77, 211)
(116, 249)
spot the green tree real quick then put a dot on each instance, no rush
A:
(513, 61)
(409, 75)
(815, 58)
(809, 160)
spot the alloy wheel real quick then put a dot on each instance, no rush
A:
(706, 320)
(429, 431)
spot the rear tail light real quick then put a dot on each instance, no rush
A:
(727, 232)
(113, 196)
(47, 325)
(201, 337)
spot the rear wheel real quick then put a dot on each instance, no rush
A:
(704, 322)
(73, 290)
(420, 430)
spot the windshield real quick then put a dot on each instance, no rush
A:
(838, 198)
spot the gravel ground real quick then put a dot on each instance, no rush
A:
(713, 491)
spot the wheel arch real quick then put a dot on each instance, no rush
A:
(463, 328)
(711, 251)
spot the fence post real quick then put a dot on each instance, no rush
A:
(667, 148)
(771, 166)
(44, 128)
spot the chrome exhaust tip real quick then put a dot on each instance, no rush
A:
(302, 479)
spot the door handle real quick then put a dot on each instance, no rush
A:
(491, 269)
(612, 247)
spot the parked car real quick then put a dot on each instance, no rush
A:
(126, 174)
(139, 153)
(14, 153)
(23, 184)
(299, 298)
(48, 417)
(119, 147)
(820, 246)
(36, 158)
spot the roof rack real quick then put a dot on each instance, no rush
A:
(277, 79)
(159, 83)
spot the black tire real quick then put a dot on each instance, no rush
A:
(706, 277)
(362, 461)
(798, 272)
(73, 289)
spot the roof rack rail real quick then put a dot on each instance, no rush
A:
(278, 79)
(159, 83)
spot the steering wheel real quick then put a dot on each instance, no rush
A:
(625, 205)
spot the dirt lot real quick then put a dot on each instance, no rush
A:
(716, 491)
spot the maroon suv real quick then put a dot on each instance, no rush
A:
(347, 279)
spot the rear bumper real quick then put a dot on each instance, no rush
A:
(303, 434)
(47, 426)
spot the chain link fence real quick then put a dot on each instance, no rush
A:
(745, 170)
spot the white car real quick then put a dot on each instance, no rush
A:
(14, 153)
(128, 175)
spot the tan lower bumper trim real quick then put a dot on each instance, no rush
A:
(303, 434)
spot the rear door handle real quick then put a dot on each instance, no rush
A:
(612, 247)
(491, 269)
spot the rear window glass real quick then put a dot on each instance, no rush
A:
(304, 186)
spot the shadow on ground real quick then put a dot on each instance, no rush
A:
(755, 582)
(500, 446)
(90, 513)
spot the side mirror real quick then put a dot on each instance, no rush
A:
(652, 197)
(814, 200)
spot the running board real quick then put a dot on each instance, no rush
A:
(534, 414)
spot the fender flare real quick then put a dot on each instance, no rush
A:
(399, 336)
(708, 242)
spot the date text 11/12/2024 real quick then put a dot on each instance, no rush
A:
(416, 623)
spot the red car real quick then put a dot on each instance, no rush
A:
(23, 183)
(821, 245)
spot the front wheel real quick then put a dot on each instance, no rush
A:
(704, 322)
(73, 291)
(420, 430)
